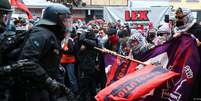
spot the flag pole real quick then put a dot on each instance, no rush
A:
(119, 55)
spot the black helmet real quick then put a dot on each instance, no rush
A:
(5, 10)
(51, 14)
(5, 5)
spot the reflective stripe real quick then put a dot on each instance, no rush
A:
(67, 58)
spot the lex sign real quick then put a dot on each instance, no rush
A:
(136, 15)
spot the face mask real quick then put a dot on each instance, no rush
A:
(179, 23)
(113, 39)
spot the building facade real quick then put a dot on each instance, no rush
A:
(95, 7)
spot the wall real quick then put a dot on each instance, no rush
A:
(106, 2)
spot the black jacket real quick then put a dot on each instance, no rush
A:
(87, 57)
(42, 47)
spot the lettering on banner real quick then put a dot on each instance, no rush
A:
(165, 94)
(131, 85)
(175, 96)
(188, 72)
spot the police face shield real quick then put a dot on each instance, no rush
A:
(66, 21)
(4, 20)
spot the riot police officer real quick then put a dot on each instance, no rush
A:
(42, 46)
(5, 10)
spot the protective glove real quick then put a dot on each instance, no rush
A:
(5, 70)
(25, 68)
(9, 69)
(59, 89)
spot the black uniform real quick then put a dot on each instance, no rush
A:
(42, 47)
(86, 63)
(6, 45)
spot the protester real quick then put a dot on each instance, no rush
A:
(151, 35)
(163, 34)
(68, 61)
(186, 24)
(87, 61)
(137, 43)
(102, 37)
(113, 40)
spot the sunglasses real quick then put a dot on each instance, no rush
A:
(159, 34)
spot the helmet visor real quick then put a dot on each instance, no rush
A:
(4, 20)
(67, 21)
(4, 17)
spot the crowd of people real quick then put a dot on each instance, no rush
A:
(40, 62)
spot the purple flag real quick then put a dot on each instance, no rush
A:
(179, 55)
(109, 59)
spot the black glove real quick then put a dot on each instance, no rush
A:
(59, 89)
(25, 68)
(5, 70)
(10, 69)
(31, 70)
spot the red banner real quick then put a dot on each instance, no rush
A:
(136, 84)
(21, 6)
(119, 69)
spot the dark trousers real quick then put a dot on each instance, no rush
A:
(196, 91)
(70, 73)
(87, 86)
(20, 94)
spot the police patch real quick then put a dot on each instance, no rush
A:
(35, 44)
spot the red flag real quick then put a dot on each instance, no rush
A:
(119, 69)
(21, 6)
(111, 73)
(179, 55)
(13, 2)
(136, 84)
